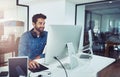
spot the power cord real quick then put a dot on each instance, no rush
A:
(61, 65)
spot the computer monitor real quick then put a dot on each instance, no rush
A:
(18, 66)
(58, 38)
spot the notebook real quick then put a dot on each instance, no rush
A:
(40, 68)
(18, 66)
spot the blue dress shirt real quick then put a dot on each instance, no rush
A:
(30, 46)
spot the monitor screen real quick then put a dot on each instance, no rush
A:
(18, 66)
(58, 37)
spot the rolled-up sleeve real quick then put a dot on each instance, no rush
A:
(42, 55)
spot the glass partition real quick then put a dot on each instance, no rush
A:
(103, 18)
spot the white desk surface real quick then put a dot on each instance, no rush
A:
(86, 68)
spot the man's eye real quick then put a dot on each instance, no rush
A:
(42, 23)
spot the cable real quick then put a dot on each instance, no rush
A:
(61, 65)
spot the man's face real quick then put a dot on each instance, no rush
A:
(39, 25)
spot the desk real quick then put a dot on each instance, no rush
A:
(86, 68)
(108, 44)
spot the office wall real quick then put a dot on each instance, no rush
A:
(69, 13)
(58, 12)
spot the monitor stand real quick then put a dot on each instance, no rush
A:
(72, 57)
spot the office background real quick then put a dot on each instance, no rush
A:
(15, 18)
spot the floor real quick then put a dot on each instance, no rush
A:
(113, 70)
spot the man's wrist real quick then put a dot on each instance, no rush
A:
(37, 57)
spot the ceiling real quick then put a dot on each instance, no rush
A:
(9, 4)
(105, 7)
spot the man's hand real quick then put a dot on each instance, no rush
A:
(33, 64)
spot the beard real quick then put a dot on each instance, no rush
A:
(39, 29)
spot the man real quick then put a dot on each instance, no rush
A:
(32, 42)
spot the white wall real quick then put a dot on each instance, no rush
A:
(69, 13)
(54, 11)
(57, 12)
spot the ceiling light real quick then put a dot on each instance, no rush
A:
(110, 1)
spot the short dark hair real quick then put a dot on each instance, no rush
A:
(36, 16)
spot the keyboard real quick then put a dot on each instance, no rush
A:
(3, 73)
(85, 56)
(38, 69)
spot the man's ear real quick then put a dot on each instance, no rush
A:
(33, 23)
